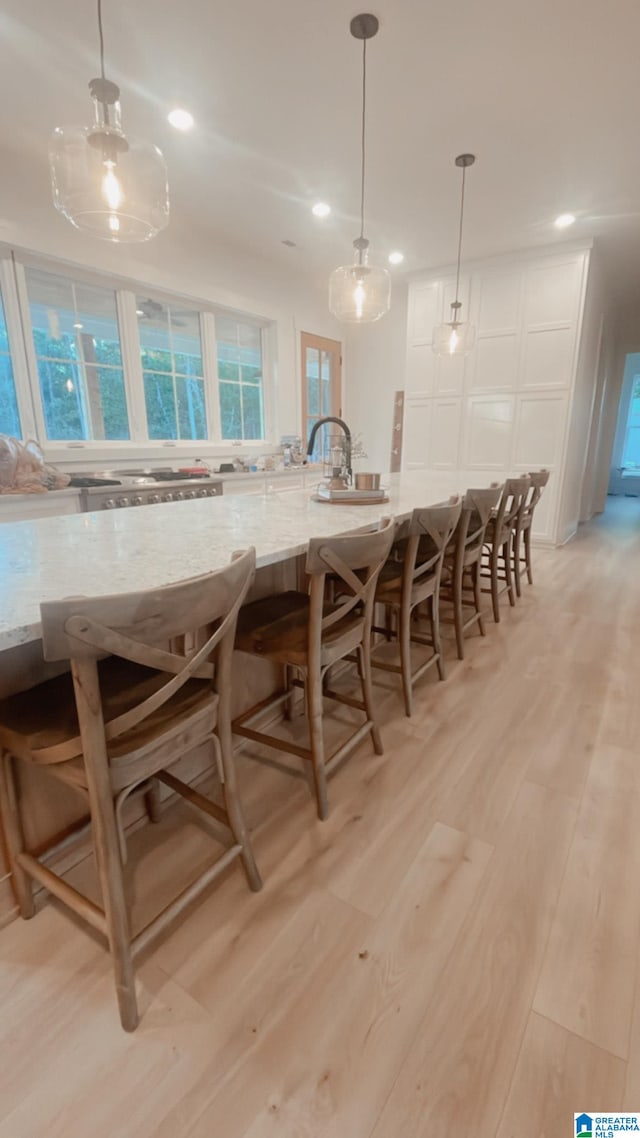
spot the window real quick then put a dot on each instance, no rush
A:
(77, 347)
(171, 352)
(239, 346)
(321, 360)
(631, 451)
(9, 416)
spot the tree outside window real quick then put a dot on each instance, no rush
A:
(9, 415)
(171, 354)
(240, 376)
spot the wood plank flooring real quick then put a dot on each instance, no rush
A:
(455, 951)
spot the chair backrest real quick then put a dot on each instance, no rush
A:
(430, 531)
(476, 511)
(356, 559)
(514, 494)
(539, 479)
(140, 627)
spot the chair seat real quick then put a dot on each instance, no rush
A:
(389, 586)
(493, 536)
(41, 725)
(277, 628)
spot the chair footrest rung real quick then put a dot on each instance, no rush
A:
(349, 700)
(168, 914)
(353, 740)
(200, 800)
(69, 896)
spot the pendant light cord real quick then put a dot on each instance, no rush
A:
(101, 34)
(363, 139)
(464, 171)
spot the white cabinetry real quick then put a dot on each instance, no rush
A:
(506, 408)
(20, 507)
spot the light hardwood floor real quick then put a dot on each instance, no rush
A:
(454, 952)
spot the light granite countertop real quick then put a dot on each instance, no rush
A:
(119, 551)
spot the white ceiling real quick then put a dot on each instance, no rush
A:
(546, 93)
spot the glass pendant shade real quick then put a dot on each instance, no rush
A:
(454, 338)
(105, 182)
(359, 293)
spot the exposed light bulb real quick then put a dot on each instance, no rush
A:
(359, 297)
(111, 188)
(453, 341)
(114, 223)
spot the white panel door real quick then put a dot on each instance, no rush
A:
(499, 298)
(424, 312)
(450, 372)
(488, 428)
(421, 369)
(540, 428)
(548, 358)
(552, 293)
(416, 433)
(496, 363)
(445, 434)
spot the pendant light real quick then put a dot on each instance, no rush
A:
(104, 181)
(456, 337)
(361, 293)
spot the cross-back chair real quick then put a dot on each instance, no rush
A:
(131, 706)
(497, 563)
(521, 547)
(461, 580)
(409, 580)
(308, 633)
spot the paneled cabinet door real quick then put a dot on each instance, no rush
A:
(416, 433)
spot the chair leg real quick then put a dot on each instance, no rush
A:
(515, 556)
(235, 813)
(477, 596)
(434, 615)
(364, 656)
(458, 617)
(404, 637)
(506, 553)
(153, 800)
(12, 826)
(288, 706)
(316, 730)
(495, 595)
(527, 554)
(107, 851)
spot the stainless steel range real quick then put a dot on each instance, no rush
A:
(116, 490)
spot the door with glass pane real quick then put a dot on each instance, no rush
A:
(321, 391)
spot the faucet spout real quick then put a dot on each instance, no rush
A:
(347, 434)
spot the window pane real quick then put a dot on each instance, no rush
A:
(631, 456)
(9, 417)
(239, 347)
(230, 411)
(313, 397)
(77, 343)
(252, 412)
(171, 351)
(161, 406)
(192, 417)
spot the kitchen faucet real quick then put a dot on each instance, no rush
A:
(347, 434)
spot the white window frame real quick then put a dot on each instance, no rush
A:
(138, 447)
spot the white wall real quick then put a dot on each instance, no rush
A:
(507, 407)
(375, 358)
(197, 265)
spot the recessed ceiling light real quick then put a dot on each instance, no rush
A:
(181, 119)
(321, 209)
(564, 220)
(139, 312)
(396, 258)
(78, 325)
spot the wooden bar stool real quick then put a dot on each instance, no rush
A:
(308, 633)
(129, 709)
(497, 562)
(521, 546)
(410, 579)
(461, 574)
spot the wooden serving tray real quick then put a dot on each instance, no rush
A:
(353, 501)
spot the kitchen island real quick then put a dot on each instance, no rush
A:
(127, 550)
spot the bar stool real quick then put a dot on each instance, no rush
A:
(461, 573)
(497, 563)
(409, 579)
(521, 547)
(308, 633)
(129, 709)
